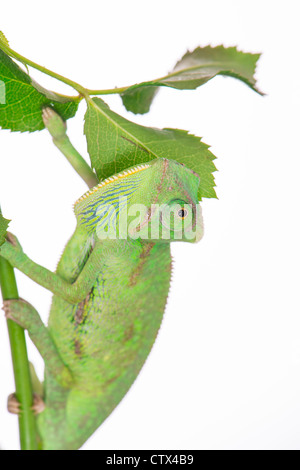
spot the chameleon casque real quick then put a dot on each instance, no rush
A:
(109, 294)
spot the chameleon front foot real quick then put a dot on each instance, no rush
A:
(16, 310)
(23, 313)
(12, 239)
(14, 406)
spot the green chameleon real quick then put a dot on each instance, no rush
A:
(110, 290)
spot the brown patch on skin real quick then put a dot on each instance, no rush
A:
(143, 257)
(79, 316)
(135, 144)
(110, 381)
(12, 239)
(145, 221)
(79, 313)
(169, 267)
(159, 187)
(189, 169)
(188, 197)
(78, 347)
(128, 333)
(194, 172)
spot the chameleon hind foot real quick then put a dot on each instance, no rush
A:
(14, 406)
(22, 312)
(38, 404)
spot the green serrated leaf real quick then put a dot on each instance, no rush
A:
(3, 39)
(3, 228)
(22, 99)
(193, 70)
(138, 100)
(114, 144)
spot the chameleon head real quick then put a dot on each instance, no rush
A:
(155, 201)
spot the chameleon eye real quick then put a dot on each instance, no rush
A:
(176, 215)
(182, 213)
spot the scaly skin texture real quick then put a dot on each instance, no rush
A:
(103, 340)
(109, 300)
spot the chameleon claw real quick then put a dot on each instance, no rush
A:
(12, 239)
(54, 123)
(47, 113)
(8, 311)
(14, 406)
(38, 404)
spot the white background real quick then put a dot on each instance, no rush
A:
(225, 370)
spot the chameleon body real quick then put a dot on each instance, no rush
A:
(109, 294)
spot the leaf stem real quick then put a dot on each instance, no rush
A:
(27, 425)
(49, 72)
(84, 92)
(109, 91)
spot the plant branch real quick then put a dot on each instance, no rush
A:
(27, 425)
(83, 92)
(29, 62)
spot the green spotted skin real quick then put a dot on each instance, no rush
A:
(105, 339)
